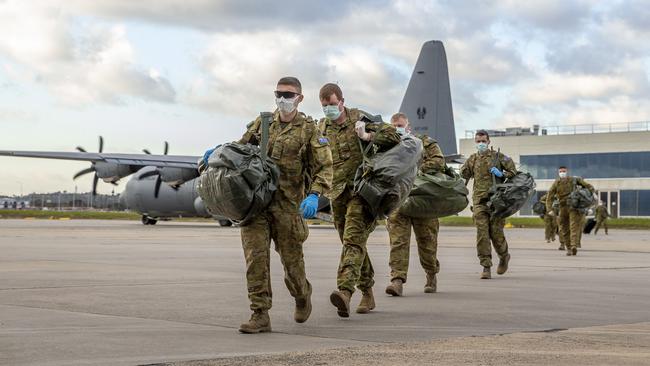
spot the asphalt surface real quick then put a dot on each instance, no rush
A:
(119, 293)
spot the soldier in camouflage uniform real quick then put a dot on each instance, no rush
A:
(550, 224)
(352, 217)
(426, 230)
(482, 166)
(304, 159)
(601, 218)
(570, 219)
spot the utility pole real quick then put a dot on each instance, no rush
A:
(74, 197)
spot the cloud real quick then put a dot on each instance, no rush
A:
(91, 64)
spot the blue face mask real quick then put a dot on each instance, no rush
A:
(481, 146)
(332, 112)
(401, 130)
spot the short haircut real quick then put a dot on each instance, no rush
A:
(399, 115)
(290, 80)
(328, 89)
(562, 167)
(482, 133)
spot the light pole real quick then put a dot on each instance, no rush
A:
(74, 197)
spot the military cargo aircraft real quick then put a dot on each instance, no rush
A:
(427, 103)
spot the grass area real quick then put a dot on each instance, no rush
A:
(73, 215)
(535, 222)
(520, 222)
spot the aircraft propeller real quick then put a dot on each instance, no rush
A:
(92, 167)
(156, 172)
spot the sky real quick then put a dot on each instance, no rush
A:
(195, 72)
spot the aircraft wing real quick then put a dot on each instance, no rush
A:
(175, 161)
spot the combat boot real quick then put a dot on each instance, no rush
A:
(569, 252)
(432, 284)
(367, 302)
(341, 299)
(574, 251)
(303, 308)
(395, 287)
(486, 275)
(503, 264)
(258, 323)
(561, 247)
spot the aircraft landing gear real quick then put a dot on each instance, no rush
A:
(146, 220)
(225, 223)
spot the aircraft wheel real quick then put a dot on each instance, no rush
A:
(225, 223)
(146, 220)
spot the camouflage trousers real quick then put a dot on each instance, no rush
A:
(599, 223)
(354, 223)
(426, 236)
(282, 223)
(571, 223)
(489, 230)
(550, 227)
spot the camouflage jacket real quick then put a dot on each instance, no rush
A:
(562, 188)
(301, 153)
(601, 212)
(478, 166)
(346, 147)
(433, 160)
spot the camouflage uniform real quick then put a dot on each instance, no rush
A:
(352, 217)
(550, 223)
(305, 163)
(601, 218)
(569, 219)
(488, 229)
(426, 230)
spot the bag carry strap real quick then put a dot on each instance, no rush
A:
(494, 163)
(267, 117)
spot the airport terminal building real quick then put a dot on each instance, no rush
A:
(614, 158)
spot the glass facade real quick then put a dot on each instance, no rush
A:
(635, 203)
(597, 165)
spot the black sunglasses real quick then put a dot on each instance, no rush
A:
(285, 94)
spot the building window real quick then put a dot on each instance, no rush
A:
(635, 203)
(598, 165)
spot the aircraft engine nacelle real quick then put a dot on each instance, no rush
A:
(177, 176)
(111, 172)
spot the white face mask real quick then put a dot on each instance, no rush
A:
(562, 174)
(401, 130)
(481, 146)
(286, 105)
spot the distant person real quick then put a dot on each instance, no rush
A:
(601, 218)
(353, 220)
(570, 219)
(426, 230)
(482, 166)
(550, 224)
(302, 156)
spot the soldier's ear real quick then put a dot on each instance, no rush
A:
(300, 98)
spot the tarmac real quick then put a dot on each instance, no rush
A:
(120, 293)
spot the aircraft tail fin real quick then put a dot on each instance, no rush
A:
(427, 101)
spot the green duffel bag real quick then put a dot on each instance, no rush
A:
(580, 197)
(436, 195)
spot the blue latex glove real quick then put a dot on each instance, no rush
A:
(309, 206)
(207, 154)
(494, 170)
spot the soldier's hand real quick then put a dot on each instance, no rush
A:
(551, 213)
(207, 154)
(497, 173)
(360, 129)
(309, 206)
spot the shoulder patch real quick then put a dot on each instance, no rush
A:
(506, 158)
(323, 140)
